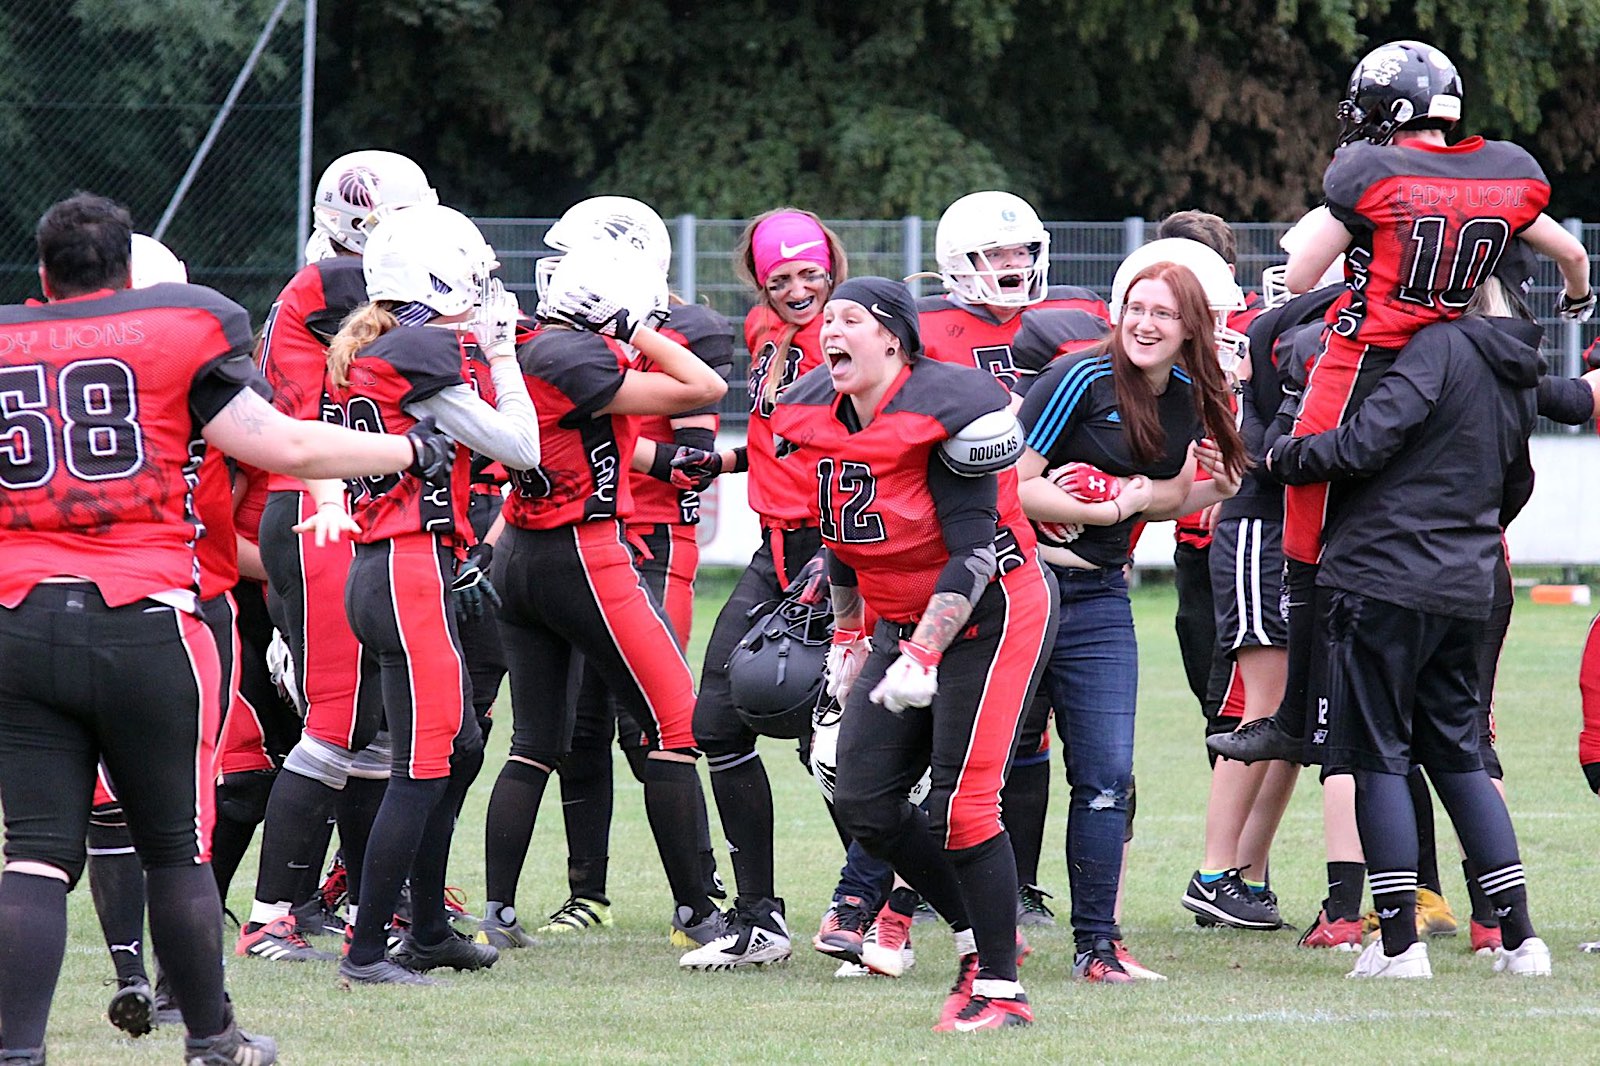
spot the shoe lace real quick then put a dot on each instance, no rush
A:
(293, 937)
(335, 885)
(455, 899)
(975, 1006)
(966, 970)
(575, 912)
(850, 919)
(892, 930)
(1033, 897)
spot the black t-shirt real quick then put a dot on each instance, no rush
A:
(1071, 415)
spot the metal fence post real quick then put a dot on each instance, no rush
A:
(686, 258)
(912, 226)
(1132, 234)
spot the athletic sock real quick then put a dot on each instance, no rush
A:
(1482, 909)
(1394, 896)
(1484, 828)
(297, 816)
(33, 941)
(1507, 890)
(1209, 876)
(903, 901)
(116, 883)
(988, 877)
(429, 922)
(230, 839)
(586, 807)
(1427, 846)
(709, 879)
(508, 827)
(356, 808)
(1346, 881)
(1025, 799)
(186, 925)
(670, 788)
(397, 834)
(744, 803)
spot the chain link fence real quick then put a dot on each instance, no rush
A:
(117, 96)
(1081, 253)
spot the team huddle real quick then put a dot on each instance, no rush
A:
(307, 557)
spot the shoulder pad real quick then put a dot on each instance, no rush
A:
(987, 445)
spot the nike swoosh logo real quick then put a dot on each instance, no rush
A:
(967, 1027)
(880, 312)
(788, 251)
(1211, 895)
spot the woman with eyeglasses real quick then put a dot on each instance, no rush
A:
(1115, 434)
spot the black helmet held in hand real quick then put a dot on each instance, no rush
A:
(775, 674)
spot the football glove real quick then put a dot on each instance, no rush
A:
(1088, 483)
(1057, 534)
(280, 667)
(810, 585)
(432, 453)
(911, 681)
(1579, 310)
(472, 588)
(1591, 774)
(846, 656)
(700, 467)
(494, 324)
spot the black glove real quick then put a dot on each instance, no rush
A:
(472, 586)
(698, 467)
(1591, 356)
(810, 585)
(1591, 772)
(432, 452)
(1579, 310)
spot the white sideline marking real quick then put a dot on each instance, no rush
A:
(1328, 1017)
(1316, 817)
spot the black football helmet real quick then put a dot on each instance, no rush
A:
(1402, 83)
(775, 674)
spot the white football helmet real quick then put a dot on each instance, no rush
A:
(1223, 294)
(358, 184)
(430, 255)
(152, 262)
(978, 223)
(1274, 291)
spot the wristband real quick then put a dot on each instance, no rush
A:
(848, 636)
(741, 460)
(920, 654)
(661, 465)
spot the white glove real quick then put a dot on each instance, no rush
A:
(610, 291)
(846, 656)
(911, 681)
(280, 666)
(494, 325)
(1579, 310)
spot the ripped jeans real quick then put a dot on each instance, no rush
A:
(1094, 686)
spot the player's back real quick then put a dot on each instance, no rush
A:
(1429, 222)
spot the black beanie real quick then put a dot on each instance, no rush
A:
(891, 303)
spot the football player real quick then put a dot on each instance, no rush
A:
(904, 451)
(101, 584)
(343, 705)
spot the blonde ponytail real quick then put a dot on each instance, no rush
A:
(360, 328)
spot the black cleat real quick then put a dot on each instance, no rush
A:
(382, 972)
(231, 1047)
(133, 1006)
(455, 951)
(1263, 740)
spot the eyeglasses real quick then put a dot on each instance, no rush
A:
(1160, 314)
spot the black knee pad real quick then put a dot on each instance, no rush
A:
(242, 797)
(872, 823)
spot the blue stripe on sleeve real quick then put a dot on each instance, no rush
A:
(1073, 386)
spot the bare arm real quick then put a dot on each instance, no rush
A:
(849, 609)
(1549, 238)
(1324, 241)
(252, 430)
(1169, 497)
(683, 384)
(942, 620)
(1045, 501)
(250, 564)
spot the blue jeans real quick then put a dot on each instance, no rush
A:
(1094, 686)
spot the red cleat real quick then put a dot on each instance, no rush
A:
(1343, 934)
(1485, 939)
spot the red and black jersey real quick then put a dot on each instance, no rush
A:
(870, 485)
(294, 342)
(709, 336)
(218, 550)
(954, 331)
(402, 367)
(102, 399)
(1188, 529)
(1430, 222)
(249, 500)
(779, 492)
(1044, 335)
(584, 457)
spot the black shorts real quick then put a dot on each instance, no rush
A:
(1247, 582)
(136, 686)
(1397, 687)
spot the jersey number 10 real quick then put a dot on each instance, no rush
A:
(1443, 264)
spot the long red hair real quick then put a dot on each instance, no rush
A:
(1197, 358)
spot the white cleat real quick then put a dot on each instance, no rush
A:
(1530, 959)
(1410, 963)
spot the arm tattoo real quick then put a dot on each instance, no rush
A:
(942, 621)
(246, 414)
(849, 610)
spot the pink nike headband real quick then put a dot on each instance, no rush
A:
(785, 238)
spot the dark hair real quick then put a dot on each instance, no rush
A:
(1210, 230)
(1136, 400)
(85, 243)
(744, 265)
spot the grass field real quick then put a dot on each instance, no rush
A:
(618, 996)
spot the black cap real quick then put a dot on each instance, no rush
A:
(891, 302)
